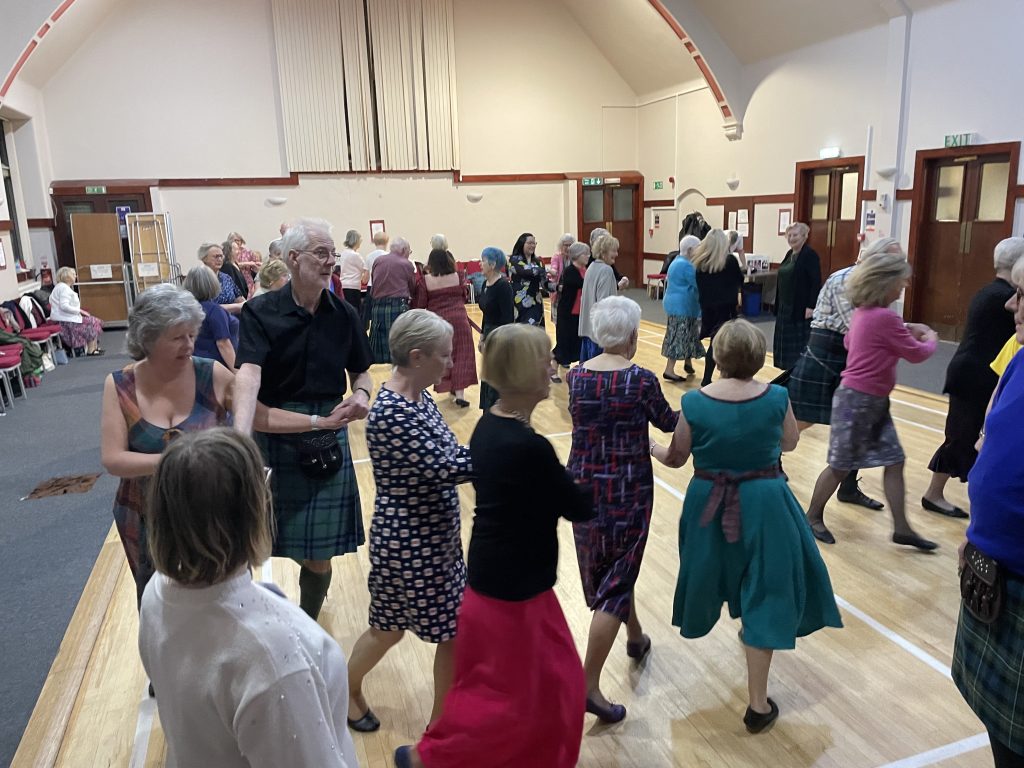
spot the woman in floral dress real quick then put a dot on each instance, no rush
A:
(527, 273)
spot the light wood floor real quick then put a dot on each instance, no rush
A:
(875, 693)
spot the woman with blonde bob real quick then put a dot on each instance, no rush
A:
(245, 677)
(272, 275)
(518, 693)
(719, 280)
(862, 433)
(743, 539)
(599, 283)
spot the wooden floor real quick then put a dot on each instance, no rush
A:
(875, 693)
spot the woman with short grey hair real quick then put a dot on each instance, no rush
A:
(417, 574)
(612, 400)
(353, 272)
(232, 294)
(165, 392)
(218, 335)
(567, 319)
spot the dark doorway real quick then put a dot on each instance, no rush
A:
(616, 207)
(70, 200)
(828, 200)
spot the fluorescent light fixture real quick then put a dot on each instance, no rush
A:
(827, 153)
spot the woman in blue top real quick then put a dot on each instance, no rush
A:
(743, 538)
(229, 296)
(218, 335)
(988, 658)
(682, 305)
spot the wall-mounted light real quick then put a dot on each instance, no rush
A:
(474, 197)
(732, 182)
(888, 172)
(827, 153)
(275, 201)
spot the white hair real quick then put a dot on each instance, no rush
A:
(416, 329)
(578, 249)
(566, 239)
(1007, 252)
(400, 245)
(687, 244)
(598, 232)
(300, 234)
(614, 320)
(438, 242)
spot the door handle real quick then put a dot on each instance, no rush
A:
(608, 226)
(960, 242)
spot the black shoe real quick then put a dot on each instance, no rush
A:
(461, 403)
(913, 540)
(639, 649)
(821, 533)
(152, 693)
(613, 713)
(368, 723)
(857, 496)
(403, 757)
(757, 722)
(956, 512)
(688, 368)
(672, 377)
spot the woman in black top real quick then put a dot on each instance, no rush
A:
(518, 696)
(970, 381)
(567, 325)
(527, 273)
(719, 280)
(799, 284)
(496, 303)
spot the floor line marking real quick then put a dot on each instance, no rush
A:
(919, 407)
(143, 729)
(898, 639)
(933, 756)
(678, 494)
(921, 426)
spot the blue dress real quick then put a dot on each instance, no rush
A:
(773, 575)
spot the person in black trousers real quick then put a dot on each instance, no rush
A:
(719, 280)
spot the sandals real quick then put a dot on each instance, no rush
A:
(96, 352)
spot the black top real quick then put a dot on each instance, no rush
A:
(716, 289)
(231, 270)
(513, 550)
(989, 325)
(806, 283)
(570, 286)
(304, 357)
(496, 303)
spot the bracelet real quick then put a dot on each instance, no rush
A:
(313, 419)
(362, 389)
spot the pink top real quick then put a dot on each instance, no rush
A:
(876, 341)
(556, 266)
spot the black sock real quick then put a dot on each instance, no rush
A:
(849, 484)
(312, 590)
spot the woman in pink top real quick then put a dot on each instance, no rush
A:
(863, 434)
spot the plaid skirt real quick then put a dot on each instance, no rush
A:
(790, 340)
(383, 314)
(316, 519)
(988, 667)
(863, 435)
(682, 338)
(815, 376)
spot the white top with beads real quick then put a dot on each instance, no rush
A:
(243, 677)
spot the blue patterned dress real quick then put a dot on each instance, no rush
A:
(611, 450)
(417, 572)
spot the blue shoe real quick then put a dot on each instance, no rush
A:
(403, 757)
(613, 713)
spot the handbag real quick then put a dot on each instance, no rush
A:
(320, 455)
(60, 357)
(48, 363)
(981, 585)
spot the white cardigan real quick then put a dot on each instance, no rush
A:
(243, 677)
(65, 306)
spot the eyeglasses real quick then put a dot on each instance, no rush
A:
(322, 254)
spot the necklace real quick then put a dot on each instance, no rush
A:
(517, 415)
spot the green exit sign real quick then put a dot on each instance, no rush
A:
(659, 185)
(95, 190)
(592, 181)
(958, 139)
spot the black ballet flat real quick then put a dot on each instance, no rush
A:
(955, 512)
(756, 722)
(613, 713)
(688, 368)
(672, 377)
(639, 649)
(368, 723)
(461, 403)
(821, 533)
(913, 540)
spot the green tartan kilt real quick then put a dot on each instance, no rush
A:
(316, 519)
(382, 316)
(988, 667)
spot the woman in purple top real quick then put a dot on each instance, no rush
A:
(218, 335)
(863, 434)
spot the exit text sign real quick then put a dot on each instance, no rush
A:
(659, 185)
(592, 181)
(958, 139)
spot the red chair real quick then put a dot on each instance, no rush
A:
(656, 285)
(10, 367)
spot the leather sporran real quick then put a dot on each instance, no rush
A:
(981, 585)
(320, 455)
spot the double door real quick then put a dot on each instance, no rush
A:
(830, 206)
(616, 207)
(66, 204)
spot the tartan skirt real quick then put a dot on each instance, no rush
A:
(682, 338)
(863, 435)
(382, 316)
(790, 340)
(988, 667)
(816, 375)
(316, 519)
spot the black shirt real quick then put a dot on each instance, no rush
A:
(497, 304)
(716, 289)
(571, 285)
(989, 325)
(513, 551)
(304, 357)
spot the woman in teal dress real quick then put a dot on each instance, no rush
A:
(743, 538)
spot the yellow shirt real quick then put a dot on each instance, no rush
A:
(1010, 348)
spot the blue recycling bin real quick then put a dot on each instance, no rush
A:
(751, 299)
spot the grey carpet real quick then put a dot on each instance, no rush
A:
(49, 545)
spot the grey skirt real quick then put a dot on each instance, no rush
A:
(682, 338)
(863, 435)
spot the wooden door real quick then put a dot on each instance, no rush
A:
(67, 203)
(830, 207)
(96, 240)
(964, 217)
(616, 207)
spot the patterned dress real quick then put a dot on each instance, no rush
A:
(450, 303)
(417, 573)
(611, 450)
(527, 278)
(144, 437)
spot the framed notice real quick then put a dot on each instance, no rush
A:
(151, 269)
(785, 219)
(376, 225)
(101, 272)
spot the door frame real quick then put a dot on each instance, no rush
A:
(60, 190)
(625, 178)
(920, 191)
(800, 211)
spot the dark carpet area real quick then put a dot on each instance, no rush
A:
(49, 545)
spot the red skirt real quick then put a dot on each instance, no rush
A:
(519, 696)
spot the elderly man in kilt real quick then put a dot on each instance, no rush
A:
(394, 282)
(295, 346)
(815, 377)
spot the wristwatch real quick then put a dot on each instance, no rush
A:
(313, 419)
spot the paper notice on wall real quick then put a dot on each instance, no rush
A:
(149, 270)
(101, 272)
(743, 228)
(743, 216)
(732, 220)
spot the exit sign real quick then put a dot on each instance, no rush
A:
(592, 181)
(659, 185)
(95, 190)
(958, 139)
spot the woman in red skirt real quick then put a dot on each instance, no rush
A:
(446, 296)
(519, 695)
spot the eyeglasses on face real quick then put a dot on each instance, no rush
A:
(322, 254)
